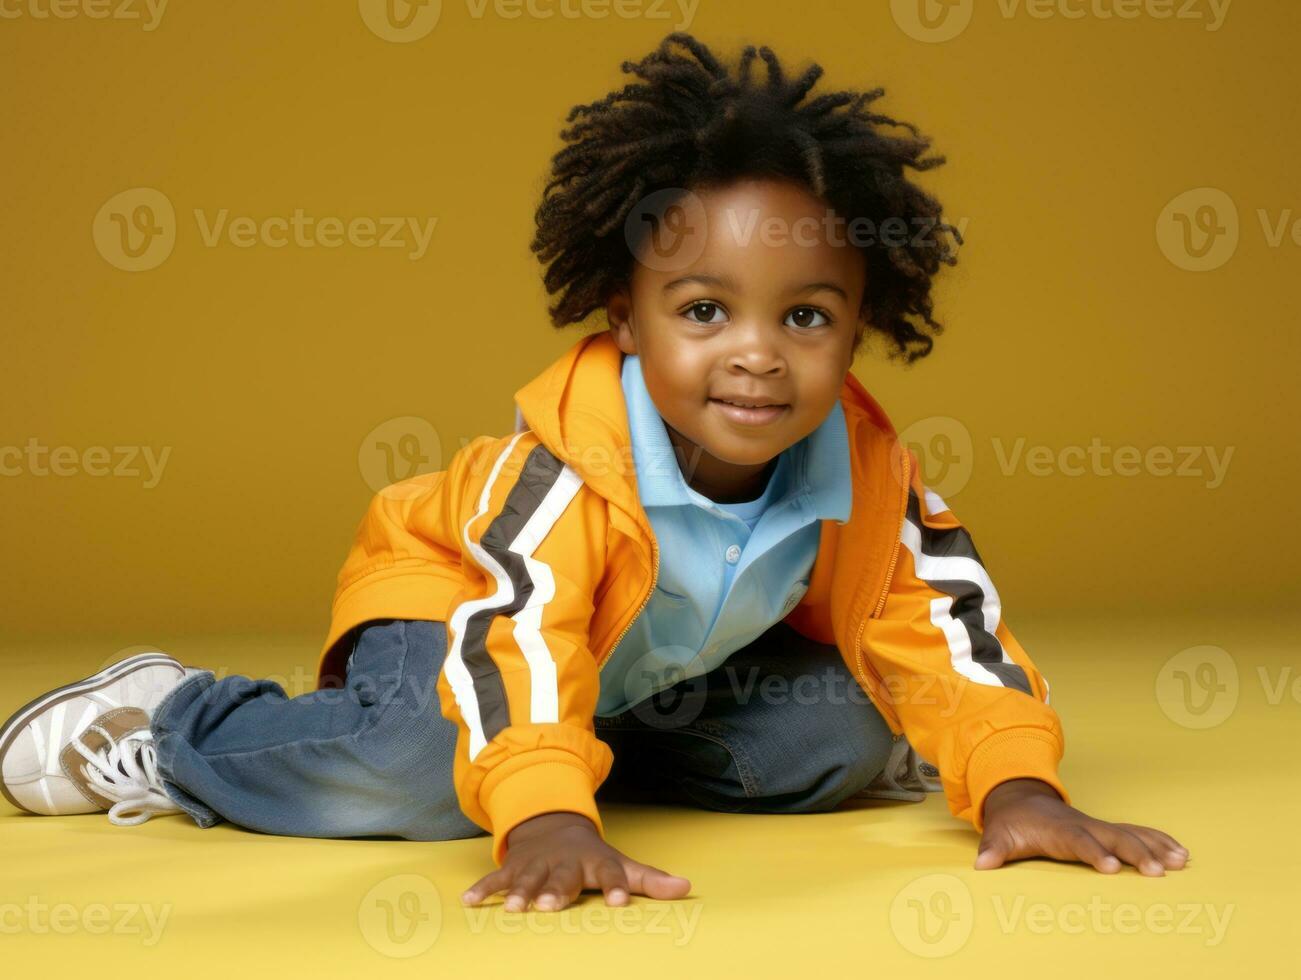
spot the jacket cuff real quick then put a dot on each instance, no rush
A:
(1017, 753)
(542, 787)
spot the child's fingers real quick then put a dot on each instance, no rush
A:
(1091, 851)
(561, 887)
(527, 882)
(992, 852)
(489, 884)
(656, 882)
(1165, 847)
(1130, 848)
(612, 881)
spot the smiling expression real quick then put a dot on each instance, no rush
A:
(766, 318)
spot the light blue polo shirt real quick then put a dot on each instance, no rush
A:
(728, 572)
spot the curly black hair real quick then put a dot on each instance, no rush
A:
(690, 124)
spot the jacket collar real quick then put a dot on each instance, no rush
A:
(577, 409)
(815, 469)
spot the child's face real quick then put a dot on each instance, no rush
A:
(768, 312)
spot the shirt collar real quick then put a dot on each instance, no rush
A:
(817, 466)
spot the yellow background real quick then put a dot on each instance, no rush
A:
(267, 372)
(264, 369)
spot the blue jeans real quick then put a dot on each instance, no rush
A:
(781, 727)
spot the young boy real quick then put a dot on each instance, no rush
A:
(695, 501)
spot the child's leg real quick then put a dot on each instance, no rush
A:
(373, 758)
(780, 727)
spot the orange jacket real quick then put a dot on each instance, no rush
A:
(534, 550)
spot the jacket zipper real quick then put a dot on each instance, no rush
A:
(655, 573)
(865, 669)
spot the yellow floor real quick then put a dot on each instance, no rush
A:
(873, 889)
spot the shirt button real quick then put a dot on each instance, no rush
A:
(733, 554)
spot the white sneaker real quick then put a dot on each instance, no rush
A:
(907, 776)
(86, 747)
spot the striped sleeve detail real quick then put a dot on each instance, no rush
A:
(524, 585)
(968, 610)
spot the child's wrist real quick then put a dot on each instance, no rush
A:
(547, 823)
(1019, 788)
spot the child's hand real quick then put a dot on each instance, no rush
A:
(554, 856)
(1026, 818)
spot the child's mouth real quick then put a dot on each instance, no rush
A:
(749, 415)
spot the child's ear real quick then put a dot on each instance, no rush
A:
(618, 312)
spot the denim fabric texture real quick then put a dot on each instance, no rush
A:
(781, 727)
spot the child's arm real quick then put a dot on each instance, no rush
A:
(972, 702)
(521, 681)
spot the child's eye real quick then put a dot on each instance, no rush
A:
(706, 306)
(804, 314)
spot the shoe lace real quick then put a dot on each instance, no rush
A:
(126, 770)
